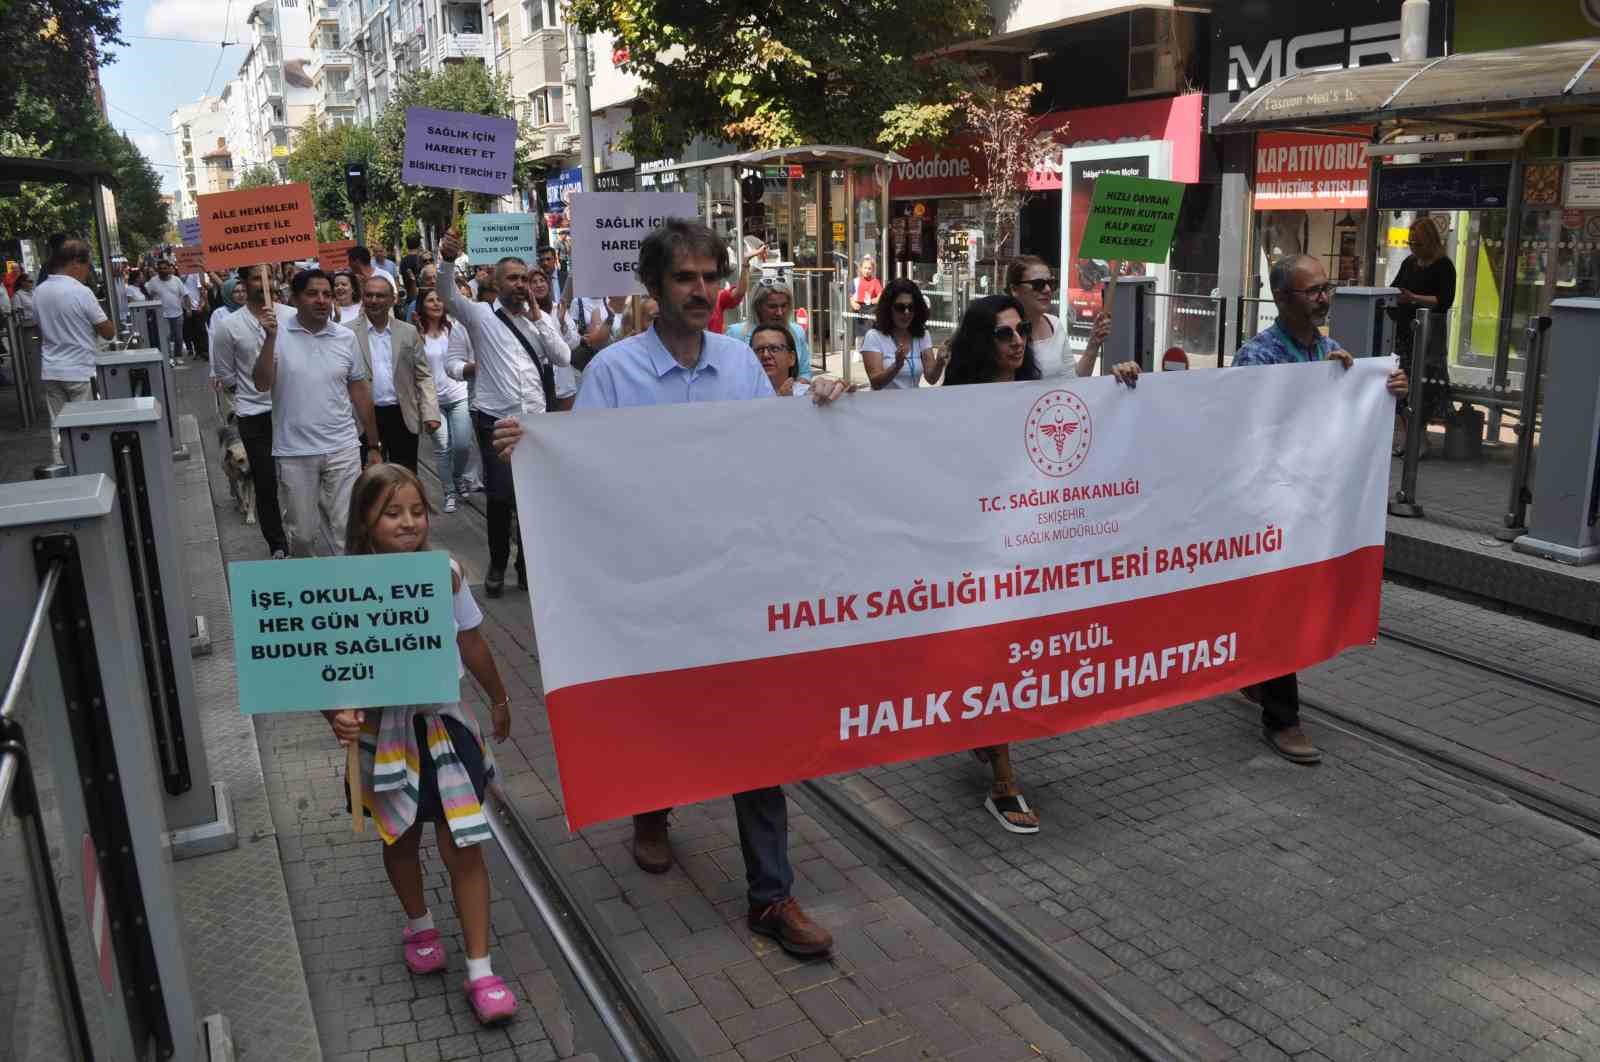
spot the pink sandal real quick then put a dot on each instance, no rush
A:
(491, 1000)
(424, 951)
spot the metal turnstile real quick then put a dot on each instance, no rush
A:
(142, 373)
(1359, 320)
(1566, 485)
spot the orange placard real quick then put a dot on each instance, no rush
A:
(271, 224)
(334, 257)
(190, 260)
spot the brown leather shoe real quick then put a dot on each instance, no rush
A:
(651, 848)
(1292, 744)
(791, 928)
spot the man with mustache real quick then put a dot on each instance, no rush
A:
(1303, 296)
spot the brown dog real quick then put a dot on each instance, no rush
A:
(236, 466)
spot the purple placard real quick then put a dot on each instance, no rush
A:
(189, 231)
(451, 149)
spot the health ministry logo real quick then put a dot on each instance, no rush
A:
(1058, 433)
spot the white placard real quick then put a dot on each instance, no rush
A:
(607, 229)
(1583, 185)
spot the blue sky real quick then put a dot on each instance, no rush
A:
(151, 77)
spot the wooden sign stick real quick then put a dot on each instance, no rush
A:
(352, 770)
(1109, 304)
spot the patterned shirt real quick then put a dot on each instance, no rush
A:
(1277, 347)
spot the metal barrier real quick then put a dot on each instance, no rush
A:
(143, 373)
(1182, 311)
(145, 325)
(22, 370)
(1532, 385)
(124, 976)
(123, 439)
(1404, 502)
(1567, 480)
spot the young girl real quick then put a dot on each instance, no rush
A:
(428, 762)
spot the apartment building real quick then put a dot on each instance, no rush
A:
(199, 130)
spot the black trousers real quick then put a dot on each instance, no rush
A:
(500, 496)
(255, 431)
(1280, 702)
(195, 334)
(399, 442)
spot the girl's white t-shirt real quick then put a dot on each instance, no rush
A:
(1053, 355)
(468, 615)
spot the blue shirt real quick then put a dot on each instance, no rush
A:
(640, 371)
(1277, 347)
(802, 347)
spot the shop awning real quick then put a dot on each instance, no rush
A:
(798, 155)
(1510, 84)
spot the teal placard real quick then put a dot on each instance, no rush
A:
(491, 237)
(344, 632)
(1131, 219)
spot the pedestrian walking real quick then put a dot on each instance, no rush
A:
(418, 760)
(1303, 296)
(318, 384)
(404, 400)
(772, 304)
(174, 299)
(233, 297)
(774, 348)
(347, 297)
(1032, 282)
(678, 360)
(452, 439)
(515, 348)
(898, 351)
(70, 319)
(864, 296)
(566, 376)
(195, 316)
(1427, 281)
(991, 346)
(550, 262)
(236, 345)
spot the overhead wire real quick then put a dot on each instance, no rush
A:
(227, 17)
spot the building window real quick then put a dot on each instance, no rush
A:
(546, 106)
(502, 33)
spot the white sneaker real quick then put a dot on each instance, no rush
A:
(449, 503)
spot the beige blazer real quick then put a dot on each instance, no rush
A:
(413, 380)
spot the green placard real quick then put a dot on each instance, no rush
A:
(491, 237)
(344, 632)
(1131, 219)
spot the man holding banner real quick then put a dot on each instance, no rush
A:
(682, 265)
(516, 348)
(1303, 295)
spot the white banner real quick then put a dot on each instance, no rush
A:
(704, 571)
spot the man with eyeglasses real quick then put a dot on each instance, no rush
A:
(1301, 291)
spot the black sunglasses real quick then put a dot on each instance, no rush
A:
(905, 307)
(1042, 284)
(1005, 333)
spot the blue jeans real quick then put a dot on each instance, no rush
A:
(452, 444)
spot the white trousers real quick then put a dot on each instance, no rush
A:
(314, 496)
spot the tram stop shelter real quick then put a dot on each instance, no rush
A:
(819, 208)
(1500, 148)
(101, 188)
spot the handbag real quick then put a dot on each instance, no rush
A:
(547, 374)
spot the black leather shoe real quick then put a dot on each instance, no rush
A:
(494, 583)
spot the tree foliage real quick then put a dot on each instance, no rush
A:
(38, 130)
(763, 73)
(49, 48)
(320, 153)
(1012, 148)
(258, 176)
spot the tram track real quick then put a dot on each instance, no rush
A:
(1524, 678)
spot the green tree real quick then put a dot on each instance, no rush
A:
(764, 73)
(257, 176)
(319, 155)
(49, 47)
(1003, 122)
(468, 87)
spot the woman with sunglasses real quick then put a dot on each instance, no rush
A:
(991, 346)
(1031, 283)
(899, 349)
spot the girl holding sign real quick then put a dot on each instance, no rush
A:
(428, 762)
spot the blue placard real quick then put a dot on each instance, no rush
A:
(189, 231)
(559, 187)
(491, 237)
(344, 632)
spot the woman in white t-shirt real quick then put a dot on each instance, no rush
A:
(452, 440)
(346, 297)
(1030, 282)
(899, 349)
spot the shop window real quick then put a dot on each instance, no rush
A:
(1152, 69)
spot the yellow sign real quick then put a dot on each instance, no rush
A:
(838, 232)
(1399, 236)
(279, 151)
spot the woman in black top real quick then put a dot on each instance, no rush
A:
(1427, 279)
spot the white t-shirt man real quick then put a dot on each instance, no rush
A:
(68, 313)
(170, 292)
(310, 396)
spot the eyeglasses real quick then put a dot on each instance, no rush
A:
(1042, 284)
(771, 348)
(905, 307)
(1005, 333)
(1321, 291)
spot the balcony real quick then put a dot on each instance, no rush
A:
(332, 57)
(459, 46)
(339, 98)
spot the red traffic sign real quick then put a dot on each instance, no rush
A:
(1174, 360)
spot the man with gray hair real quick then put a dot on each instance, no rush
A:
(516, 346)
(1303, 295)
(770, 305)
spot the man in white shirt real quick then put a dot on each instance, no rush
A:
(194, 316)
(404, 396)
(508, 381)
(70, 319)
(235, 347)
(175, 305)
(313, 372)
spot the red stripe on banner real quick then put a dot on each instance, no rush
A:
(643, 742)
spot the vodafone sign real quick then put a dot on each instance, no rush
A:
(957, 166)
